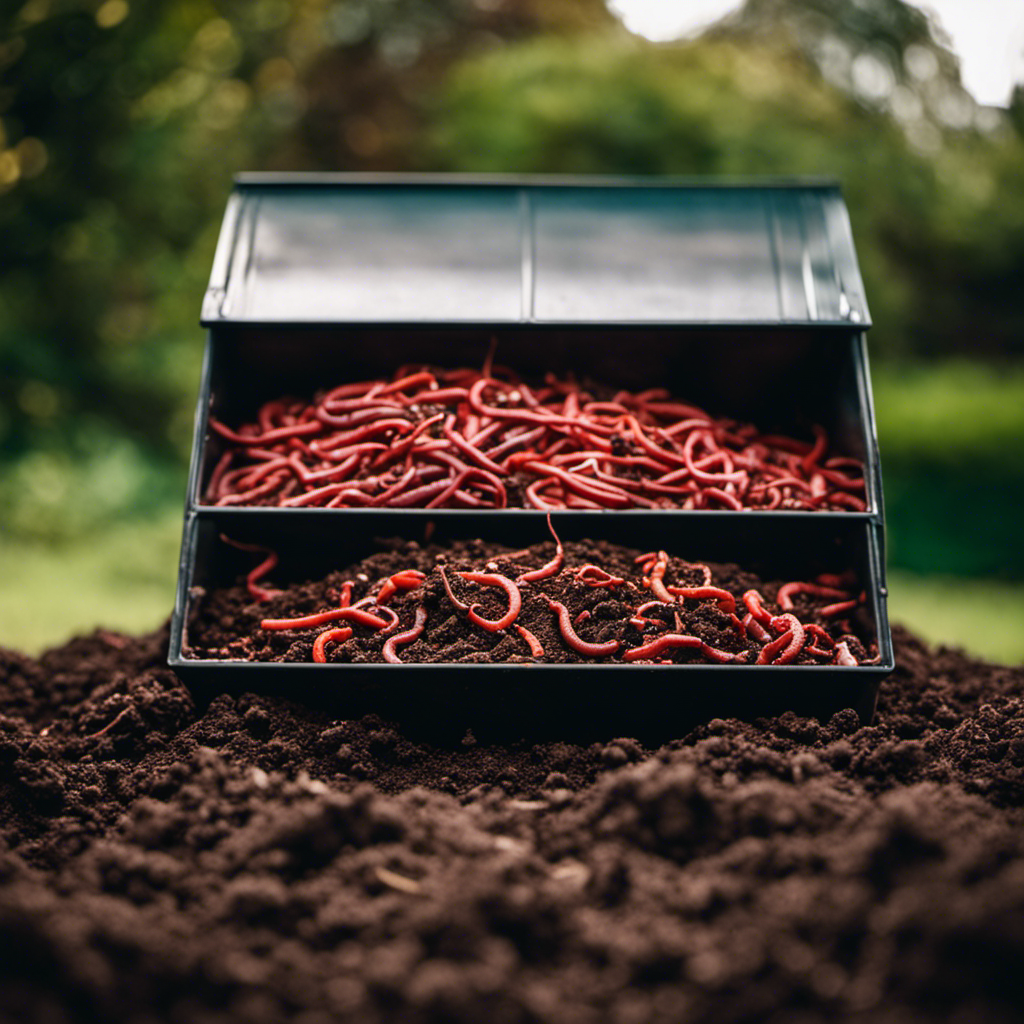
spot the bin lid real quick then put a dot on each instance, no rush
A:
(425, 249)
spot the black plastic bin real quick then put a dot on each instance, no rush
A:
(744, 299)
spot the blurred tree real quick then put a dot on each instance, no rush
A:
(121, 123)
(886, 53)
(367, 88)
(964, 256)
(936, 198)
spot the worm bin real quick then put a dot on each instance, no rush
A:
(735, 309)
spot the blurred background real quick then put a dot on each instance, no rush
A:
(122, 122)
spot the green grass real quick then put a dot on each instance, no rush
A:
(981, 616)
(954, 413)
(121, 578)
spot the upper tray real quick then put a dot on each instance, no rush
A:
(415, 249)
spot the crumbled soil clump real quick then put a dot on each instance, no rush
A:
(260, 861)
(225, 623)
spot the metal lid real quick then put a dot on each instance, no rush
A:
(304, 249)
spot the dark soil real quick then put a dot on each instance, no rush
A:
(258, 861)
(225, 624)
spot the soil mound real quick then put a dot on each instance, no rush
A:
(254, 860)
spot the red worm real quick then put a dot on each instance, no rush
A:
(810, 460)
(569, 635)
(213, 487)
(668, 640)
(419, 494)
(594, 576)
(396, 488)
(754, 628)
(388, 650)
(786, 592)
(329, 636)
(755, 605)
(519, 415)
(515, 442)
(641, 622)
(725, 600)
(370, 400)
(657, 576)
(469, 449)
(662, 455)
(645, 608)
(534, 498)
(374, 411)
(818, 633)
(769, 651)
(832, 610)
(369, 430)
(439, 396)
(461, 605)
(365, 618)
(624, 484)
(393, 616)
(346, 499)
(677, 410)
(792, 640)
(299, 429)
(782, 481)
(267, 565)
(413, 380)
(721, 496)
(549, 568)
(602, 493)
(515, 600)
(845, 482)
(344, 469)
(267, 487)
(699, 474)
(312, 497)
(320, 618)
(407, 579)
(850, 501)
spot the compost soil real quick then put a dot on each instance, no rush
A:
(260, 861)
(225, 623)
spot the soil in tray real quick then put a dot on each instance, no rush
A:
(464, 439)
(603, 596)
(257, 861)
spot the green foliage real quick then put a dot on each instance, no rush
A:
(122, 125)
(940, 229)
(959, 414)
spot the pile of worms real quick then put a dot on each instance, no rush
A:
(465, 438)
(660, 610)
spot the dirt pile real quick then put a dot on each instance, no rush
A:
(254, 860)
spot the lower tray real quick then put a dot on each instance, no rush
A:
(656, 701)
